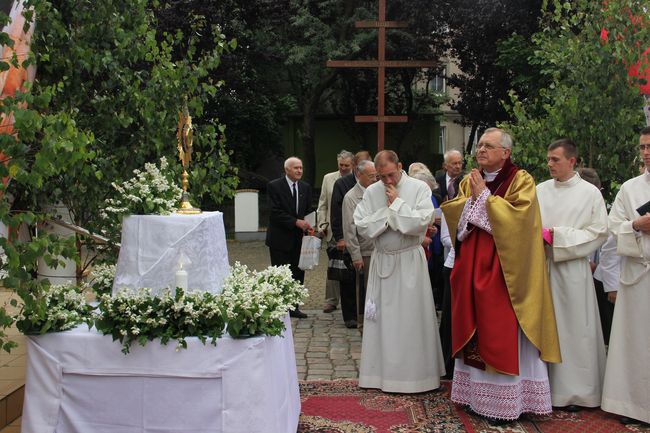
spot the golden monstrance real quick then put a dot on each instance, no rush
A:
(184, 136)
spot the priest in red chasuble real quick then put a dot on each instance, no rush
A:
(503, 321)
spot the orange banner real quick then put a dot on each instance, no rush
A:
(14, 78)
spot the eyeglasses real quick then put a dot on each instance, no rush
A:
(643, 147)
(370, 175)
(488, 147)
(391, 175)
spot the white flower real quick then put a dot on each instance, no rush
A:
(65, 308)
(149, 186)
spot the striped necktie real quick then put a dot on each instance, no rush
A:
(451, 191)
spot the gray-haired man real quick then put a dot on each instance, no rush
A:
(360, 247)
(344, 161)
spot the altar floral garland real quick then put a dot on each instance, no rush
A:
(140, 317)
(58, 308)
(251, 304)
(255, 303)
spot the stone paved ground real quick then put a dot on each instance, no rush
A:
(325, 348)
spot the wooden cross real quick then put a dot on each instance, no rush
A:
(381, 64)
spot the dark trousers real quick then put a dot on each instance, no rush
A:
(445, 323)
(435, 264)
(362, 286)
(605, 309)
(349, 299)
(291, 258)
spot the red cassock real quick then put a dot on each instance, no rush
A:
(481, 308)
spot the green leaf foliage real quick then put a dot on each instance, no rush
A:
(477, 28)
(126, 83)
(589, 97)
(279, 70)
(106, 100)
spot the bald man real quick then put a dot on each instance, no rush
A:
(290, 200)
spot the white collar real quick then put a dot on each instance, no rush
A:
(449, 178)
(290, 182)
(489, 176)
(569, 182)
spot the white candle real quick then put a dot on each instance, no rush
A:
(181, 279)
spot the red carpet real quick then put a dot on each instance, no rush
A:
(340, 406)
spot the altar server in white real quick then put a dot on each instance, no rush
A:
(401, 348)
(575, 218)
(627, 378)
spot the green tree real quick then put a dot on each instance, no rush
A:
(407, 90)
(324, 30)
(253, 101)
(105, 101)
(590, 97)
(318, 30)
(476, 29)
(119, 80)
(44, 145)
(282, 68)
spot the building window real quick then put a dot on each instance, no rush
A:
(438, 84)
(442, 140)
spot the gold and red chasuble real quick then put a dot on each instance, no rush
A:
(499, 282)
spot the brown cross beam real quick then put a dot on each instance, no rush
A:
(381, 64)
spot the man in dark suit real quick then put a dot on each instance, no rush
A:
(448, 182)
(290, 200)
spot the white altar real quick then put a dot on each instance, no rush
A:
(80, 382)
(152, 246)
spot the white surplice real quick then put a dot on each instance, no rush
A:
(627, 377)
(576, 211)
(401, 348)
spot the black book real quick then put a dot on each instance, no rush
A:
(644, 209)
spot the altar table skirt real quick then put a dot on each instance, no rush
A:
(80, 382)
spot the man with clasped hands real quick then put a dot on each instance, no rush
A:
(400, 350)
(503, 321)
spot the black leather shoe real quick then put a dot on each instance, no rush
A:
(329, 308)
(494, 422)
(627, 420)
(352, 324)
(297, 313)
(572, 408)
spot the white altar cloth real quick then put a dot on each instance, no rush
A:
(80, 382)
(152, 246)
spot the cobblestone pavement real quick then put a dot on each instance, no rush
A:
(325, 348)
